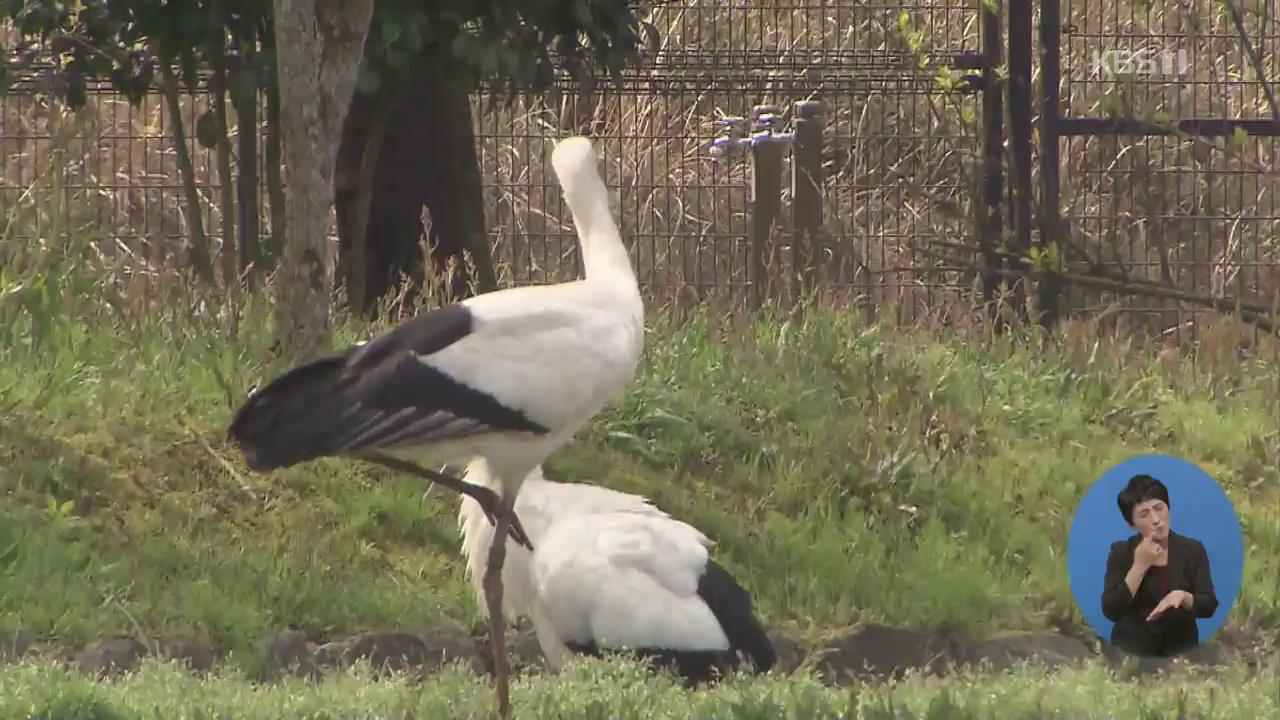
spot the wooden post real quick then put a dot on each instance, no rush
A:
(806, 193)
(766, 203)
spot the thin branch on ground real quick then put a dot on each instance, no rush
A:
(1253, 313)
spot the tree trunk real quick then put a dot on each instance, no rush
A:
(319, 45)
(362, 137)
(426, 157)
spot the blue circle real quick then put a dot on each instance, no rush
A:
(1198, 509)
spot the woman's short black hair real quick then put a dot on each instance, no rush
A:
(1140, 489)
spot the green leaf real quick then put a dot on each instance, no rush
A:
(413, 40)
(582, 13)
(242, 85)
(368, 79)
(391, 31)
(207, 130)
(76, 89)
(265, 66)
(190, 68)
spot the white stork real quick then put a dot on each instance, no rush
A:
(509, 376)
(610, 572)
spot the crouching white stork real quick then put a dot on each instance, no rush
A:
(509, 376)
(609, 572)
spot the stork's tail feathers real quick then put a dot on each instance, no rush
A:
(730, 603)
(285, 423)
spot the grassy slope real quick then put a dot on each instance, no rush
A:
(796, 448)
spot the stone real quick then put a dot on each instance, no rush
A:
(1005, 652)
(881, 651)
(195, 656)
(287, 653)
(111, 657)
(387, 651)
(402, 651)
(524, 650)
(790, 655)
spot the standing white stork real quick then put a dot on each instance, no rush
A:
(609, 572)
(509, 376)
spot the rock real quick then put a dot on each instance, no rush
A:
(525, 652)
(401, 651)
(1211, 654)
(447, 646)
(112, 657)
(287, 653)
(789, 653)
(1130, 666)
(881, 651)
(329, 655)
(387, 651)
(14, 643)
(1003, 653)
(195, 656)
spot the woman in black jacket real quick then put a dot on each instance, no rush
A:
(1157, 582)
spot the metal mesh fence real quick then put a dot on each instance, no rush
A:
(898, 150)
(1199, 213)
(902, 156)
(899, 153)
(107, 175)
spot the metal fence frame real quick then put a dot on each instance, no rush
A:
(1022, 209)
(1172, 305)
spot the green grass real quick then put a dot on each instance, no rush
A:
(847, 472)
(619, 691)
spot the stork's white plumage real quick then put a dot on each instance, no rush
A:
(509, 376)
(611, 572)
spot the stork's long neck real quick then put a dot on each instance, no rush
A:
(605, 259)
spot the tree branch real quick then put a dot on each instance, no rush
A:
(1255, 313)
(1237, 17)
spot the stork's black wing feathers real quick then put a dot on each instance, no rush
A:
(372, 396)
(730, 603)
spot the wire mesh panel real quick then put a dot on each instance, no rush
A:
(900, 153)
(104, 179)
(1198, 214)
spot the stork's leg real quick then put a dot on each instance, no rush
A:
(486, 498)
(493, 598)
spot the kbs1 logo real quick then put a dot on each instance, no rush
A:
(1146, 63)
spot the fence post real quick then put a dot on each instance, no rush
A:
(806, 196)
(766, 202)
(991, 220)
(1020, 139)
(1050, 292)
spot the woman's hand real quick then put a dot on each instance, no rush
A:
(1174, 599)
(1149, 554)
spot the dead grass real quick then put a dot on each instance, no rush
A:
(902, 159)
